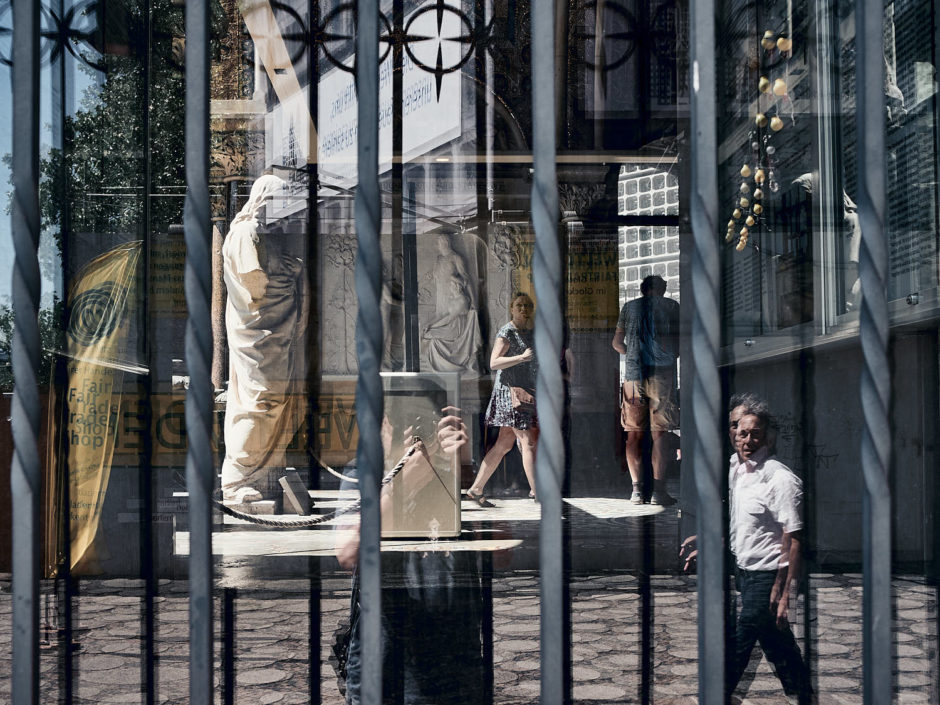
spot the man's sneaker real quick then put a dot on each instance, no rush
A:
(662, 499)
(636, 497)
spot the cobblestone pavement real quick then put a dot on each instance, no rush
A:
(271, 641)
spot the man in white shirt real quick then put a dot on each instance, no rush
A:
(765, 536)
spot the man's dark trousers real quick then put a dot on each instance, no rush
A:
(755, 622)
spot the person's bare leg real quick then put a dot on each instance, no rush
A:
(491, 460)
(635, 455)
(528, 439)
(660, 466)
(634, 450)
(660, 463)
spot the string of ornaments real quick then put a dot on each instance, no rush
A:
(759, 173)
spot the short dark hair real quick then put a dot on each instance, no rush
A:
(654, 283)
(753, 406)
(746, 399)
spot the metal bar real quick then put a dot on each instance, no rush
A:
(200, 473)
(550, 461)
(410, 279)
(873, 332)
(228, 646)
(369, 346)
(827, 199)
(25, 469)
(645, 589)
(706, 388)
(486, 617)
(313, 372)
(145, 477)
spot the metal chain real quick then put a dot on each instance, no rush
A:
(417, 444)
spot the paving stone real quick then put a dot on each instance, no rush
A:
(913, 664)
(259, 676)
(908, 650)
(519, 628)
(837, 683)
(684, 669)
(828, 666)
(94, 662)
(582, 673)
(827, 648)
(909, 697)
(622, 660)
(607, 693)
(521, 665)
(907, 680)
(910, 614)
(520, 645)
(902, 603)
(585, 637)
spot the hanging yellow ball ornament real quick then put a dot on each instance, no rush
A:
(776, 124)
(745, 188)
(768, 40)
(758, 209)
(760, 119)
(744, 232)
(729, 236)
(763, 84)
(758, 194)
(730, 224)
(742, 243)
(745, 171)
(784, 43)
(736, 214)
(750, 221)
(759, 176)
(744, 203)
(780, 87)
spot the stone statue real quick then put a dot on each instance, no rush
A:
(265, 330)
(453, 336)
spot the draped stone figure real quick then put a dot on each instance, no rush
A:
(264, 324)
(452, 339)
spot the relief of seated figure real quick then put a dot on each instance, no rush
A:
(452, 339)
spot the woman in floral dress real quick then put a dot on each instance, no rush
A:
(513, 358)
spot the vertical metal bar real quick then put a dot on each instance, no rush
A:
(312, 258)
(827, 200)
(645, 589)
(145, 478)
(706, 327)
(550, 461)
(200, 472)
(228, 646)
(62, 93)
(25, 469)
(873, 333)
(486, 617)
(369, 346)
(410, 277)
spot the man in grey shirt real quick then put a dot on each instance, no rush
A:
(647, 335)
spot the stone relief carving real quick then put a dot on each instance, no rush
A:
(577, 199)
(340, 319)
(504, 238)
(451, 335)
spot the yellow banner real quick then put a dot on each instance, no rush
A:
(100, 303)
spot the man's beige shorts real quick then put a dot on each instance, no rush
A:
(649, 403)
